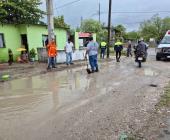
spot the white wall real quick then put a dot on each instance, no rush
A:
(61, 57)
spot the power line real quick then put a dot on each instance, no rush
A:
(140, 12)
(67, 4)
(133, 12)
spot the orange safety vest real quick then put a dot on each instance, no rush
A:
(52, 49)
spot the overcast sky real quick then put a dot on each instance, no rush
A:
(125, 11)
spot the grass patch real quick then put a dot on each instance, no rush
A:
(165, 99)
(131, 138)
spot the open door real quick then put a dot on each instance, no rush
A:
(24, 41)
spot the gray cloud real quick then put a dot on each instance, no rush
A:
(89, 8)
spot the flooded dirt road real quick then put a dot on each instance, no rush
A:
(72, 105)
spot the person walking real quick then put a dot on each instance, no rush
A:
(69, 50)
(129, 49)
(92, 51)
(10, 54)
(118, 47)
(52, 53)
(102, 49)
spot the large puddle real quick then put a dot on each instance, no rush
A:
(56, 87)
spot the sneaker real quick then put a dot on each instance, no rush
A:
(97, 70)
(48, 68)
(92, 71)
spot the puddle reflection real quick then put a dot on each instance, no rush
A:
(55, 88)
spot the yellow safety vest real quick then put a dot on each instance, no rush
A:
(103, 43)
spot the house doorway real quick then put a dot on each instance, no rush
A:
(24, 41)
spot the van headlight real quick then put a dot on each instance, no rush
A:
(158, 50)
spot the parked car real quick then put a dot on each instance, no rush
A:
(163, 48)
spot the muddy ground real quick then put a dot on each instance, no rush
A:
(71, 105)
(20, 70)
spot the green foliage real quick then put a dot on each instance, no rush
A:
(156, 27)
(165, 99)
(20, 11)
(132, 35)
(119, 30)
(93, 26)
(32, 53)
(59, 22)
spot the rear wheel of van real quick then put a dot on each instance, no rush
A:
(158, 58)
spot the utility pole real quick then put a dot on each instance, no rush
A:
(81, 21)
(99, 11)
(50, 19)
(109, 24)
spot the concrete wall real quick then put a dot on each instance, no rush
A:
(34, 36)
(61, 58)
(61, 38)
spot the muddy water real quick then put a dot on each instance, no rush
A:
(55, 89)
(74, 105)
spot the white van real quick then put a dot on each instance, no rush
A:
(163, 49)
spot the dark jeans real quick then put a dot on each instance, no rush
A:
(102, 53)
(129, 52)
(93, 62)
(118, 55)
(51, 62)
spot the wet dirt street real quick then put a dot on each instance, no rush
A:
(72, 105)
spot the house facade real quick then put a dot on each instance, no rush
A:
(27, 36)
(33, 36)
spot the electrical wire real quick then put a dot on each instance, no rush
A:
(67, 4)
(132, 12)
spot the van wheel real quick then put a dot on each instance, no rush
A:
(158, 58)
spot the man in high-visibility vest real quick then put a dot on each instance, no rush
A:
(118, 47)
(102, 49)
(52, 53)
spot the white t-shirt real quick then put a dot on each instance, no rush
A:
(69, 47)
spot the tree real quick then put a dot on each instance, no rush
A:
(93, 26)
(131, 35)
(119, 30)
(20, 11)
(155, 27)
(59, 22)
(165, 26)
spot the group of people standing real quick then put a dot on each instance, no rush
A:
(92, 51)
(52, 53)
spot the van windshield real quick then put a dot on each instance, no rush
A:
(166, 40)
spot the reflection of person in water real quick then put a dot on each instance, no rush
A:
(54, 88)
